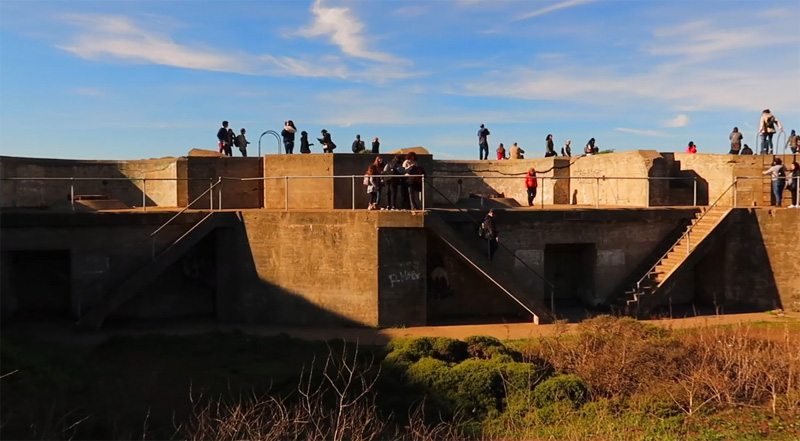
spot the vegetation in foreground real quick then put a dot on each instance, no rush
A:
(615, 379)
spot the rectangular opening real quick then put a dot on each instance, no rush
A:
(570, 268)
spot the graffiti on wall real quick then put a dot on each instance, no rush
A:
(408, 273)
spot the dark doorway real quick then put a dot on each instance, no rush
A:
(40, 283)
(570, 268)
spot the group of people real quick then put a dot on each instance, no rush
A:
(782, 180)
(227, 139)
(517, 153)
(401, 178)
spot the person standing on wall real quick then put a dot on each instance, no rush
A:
(288, 136)
(517, 152)
(767, 128)
(778, 174)
(794, 184)
(224, 139)
(691, 148)
(358, 145)
(241, 142)
(483, 142)
(531, 183)
(550, 149)
(327, 142)
(305, 146)
(793, 142)
(490, 234)
(376, 146)
(736, 141)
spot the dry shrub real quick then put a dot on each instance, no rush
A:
(335, 403)
(720, 366)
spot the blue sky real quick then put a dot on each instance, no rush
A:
(141, 79)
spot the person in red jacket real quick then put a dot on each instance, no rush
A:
(691, 148)
(530, 185)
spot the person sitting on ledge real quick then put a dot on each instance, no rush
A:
(501, 152)
(691, 148)
(517, 152)
(746, 150)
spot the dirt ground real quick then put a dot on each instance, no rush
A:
(65, 333)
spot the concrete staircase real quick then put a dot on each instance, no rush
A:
(540, 314)
(134, 281)
(684, 254)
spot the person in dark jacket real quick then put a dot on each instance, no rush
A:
(358, 145)
(224, 139)
(391, 178)
(490, 233)
(746, 150)
(288, 136)
(327, 142)
(305, 146)
(549, 148)
(376, 145)
(794, 185)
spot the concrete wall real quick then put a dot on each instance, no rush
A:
(506, 177)
(235, 194)
(308, 193)
(305, 268)
(47, 193)
(620, 192)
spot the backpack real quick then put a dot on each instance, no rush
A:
(770, 123)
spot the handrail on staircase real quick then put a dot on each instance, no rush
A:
(460, 210)
(210, 190)
(686, 234)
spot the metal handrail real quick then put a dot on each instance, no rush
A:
(209, 190)
(460, 210)
(686, 234)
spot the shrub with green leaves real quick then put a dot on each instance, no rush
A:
(567, 388)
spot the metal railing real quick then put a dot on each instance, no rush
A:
(764, 178)
(210, 192)
(73, 180)
(686, 234)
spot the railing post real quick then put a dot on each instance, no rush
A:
(219, 194)
(735, 192)
(694, 200)
(597, 192)
(423, 193)
(144, 195)
(689, 241)
(353, 192)
(285, 193)
(72, 192)
(544, 187)
(210, 194)
(647, 192)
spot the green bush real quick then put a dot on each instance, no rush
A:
(567, 388)
(482, 347)
(410, 350)
(480, 387)
(449, 349)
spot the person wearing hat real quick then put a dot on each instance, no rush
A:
(691, 148)
(490, 233)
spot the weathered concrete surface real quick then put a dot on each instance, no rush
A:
(304, 193)
(459, 179)
(235, 193)
(126, 186)
(638, 192)
(312, 268)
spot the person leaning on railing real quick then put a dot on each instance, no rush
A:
(414, 180)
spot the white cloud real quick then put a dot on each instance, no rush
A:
(410, 11)
(679, 121)
(553, 8)
(344, 30)
(105, 37)
(88, 91)
(641, 132)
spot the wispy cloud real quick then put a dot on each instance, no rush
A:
(344, 30)
(642, 132)
(553, 8)
(679, 121)
(88, 91)
(410, 11)
(105, 37)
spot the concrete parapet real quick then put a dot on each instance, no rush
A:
(635, 191)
